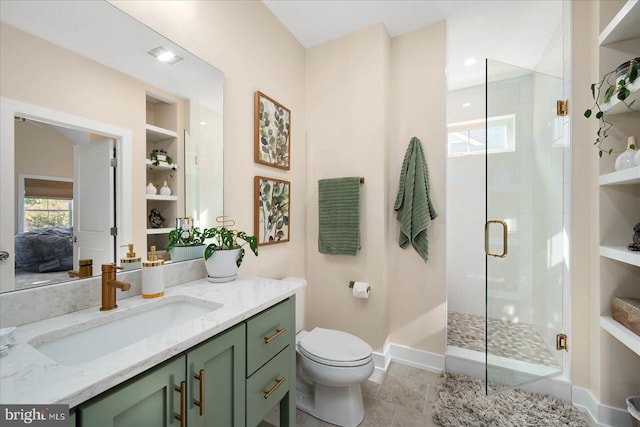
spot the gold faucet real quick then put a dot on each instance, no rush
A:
(109, 285)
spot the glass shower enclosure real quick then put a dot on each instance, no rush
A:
(524, 229)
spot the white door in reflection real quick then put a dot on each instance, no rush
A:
(93, 220)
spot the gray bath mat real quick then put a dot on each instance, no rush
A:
(462, 402)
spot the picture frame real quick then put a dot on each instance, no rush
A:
(272, 202)
(271, 132)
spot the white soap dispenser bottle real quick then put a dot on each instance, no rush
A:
(131, 261)
(153, 276)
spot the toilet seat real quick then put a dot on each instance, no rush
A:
(335, 348)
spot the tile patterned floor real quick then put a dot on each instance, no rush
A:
(518, 341)
(402, 398)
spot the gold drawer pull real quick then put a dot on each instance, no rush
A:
(269, 392)
(200, 403)
(183, 403)
(274, 336)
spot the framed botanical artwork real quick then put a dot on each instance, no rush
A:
(271, 132)
(271, 210)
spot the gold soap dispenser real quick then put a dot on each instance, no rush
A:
(131, 262)
(153, 276)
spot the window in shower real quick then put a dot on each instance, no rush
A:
(470, 138)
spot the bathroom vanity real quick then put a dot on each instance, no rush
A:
(228, 366)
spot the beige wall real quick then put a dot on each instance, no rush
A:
(40, 150)
(584, 336)
(347, 101)
(255, 52)
(417, 291)
(367, 95)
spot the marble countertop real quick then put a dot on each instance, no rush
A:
(29, 377)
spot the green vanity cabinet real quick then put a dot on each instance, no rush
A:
(151, 399)
(271, 364)
(164, 395)
(211, 384)
(216, 381)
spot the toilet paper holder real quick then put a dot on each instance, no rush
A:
(353, 282)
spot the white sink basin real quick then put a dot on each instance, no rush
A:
(72, 346)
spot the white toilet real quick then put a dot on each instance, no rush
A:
(331, 365)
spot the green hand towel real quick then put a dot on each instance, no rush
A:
(413, 203)
(339, 216)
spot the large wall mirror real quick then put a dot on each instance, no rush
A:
(87, 105)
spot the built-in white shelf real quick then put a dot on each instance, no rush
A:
(156, 133)
(624, 25)
(159, 230)
(622, 334)
(161, 165)
(615, 106)
(160, 197)
(623, 177)
(621, 253)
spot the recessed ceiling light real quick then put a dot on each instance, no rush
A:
(203, 123)
(470, 61)
(165, 55)
(466, 104)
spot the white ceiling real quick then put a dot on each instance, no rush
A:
(512, 31)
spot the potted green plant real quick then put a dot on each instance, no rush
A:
(185, 241)
(616, 83)
(160, 155)
(224, 255)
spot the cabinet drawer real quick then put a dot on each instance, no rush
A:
(267, 334)
(267, 387)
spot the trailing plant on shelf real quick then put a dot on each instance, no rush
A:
(616, 83)
(226, 239)
(160, 155)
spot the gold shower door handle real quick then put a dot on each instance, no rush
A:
(505, 231)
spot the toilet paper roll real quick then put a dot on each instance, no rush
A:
(361, 290)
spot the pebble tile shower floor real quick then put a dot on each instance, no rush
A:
(518, 341)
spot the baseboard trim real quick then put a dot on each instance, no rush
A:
(408, 356)
(599, 415)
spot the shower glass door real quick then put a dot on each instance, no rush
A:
(524, 228)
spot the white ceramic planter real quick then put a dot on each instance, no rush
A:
(184, 253)
(222, 267)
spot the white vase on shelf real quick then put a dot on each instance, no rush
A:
(151, 189)
(165, 190)
(626, 160)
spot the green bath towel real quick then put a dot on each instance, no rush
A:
(413, 203)
(339, 216)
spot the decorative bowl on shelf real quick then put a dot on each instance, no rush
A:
(627, 312)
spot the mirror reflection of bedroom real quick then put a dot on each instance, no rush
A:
(52, 195)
